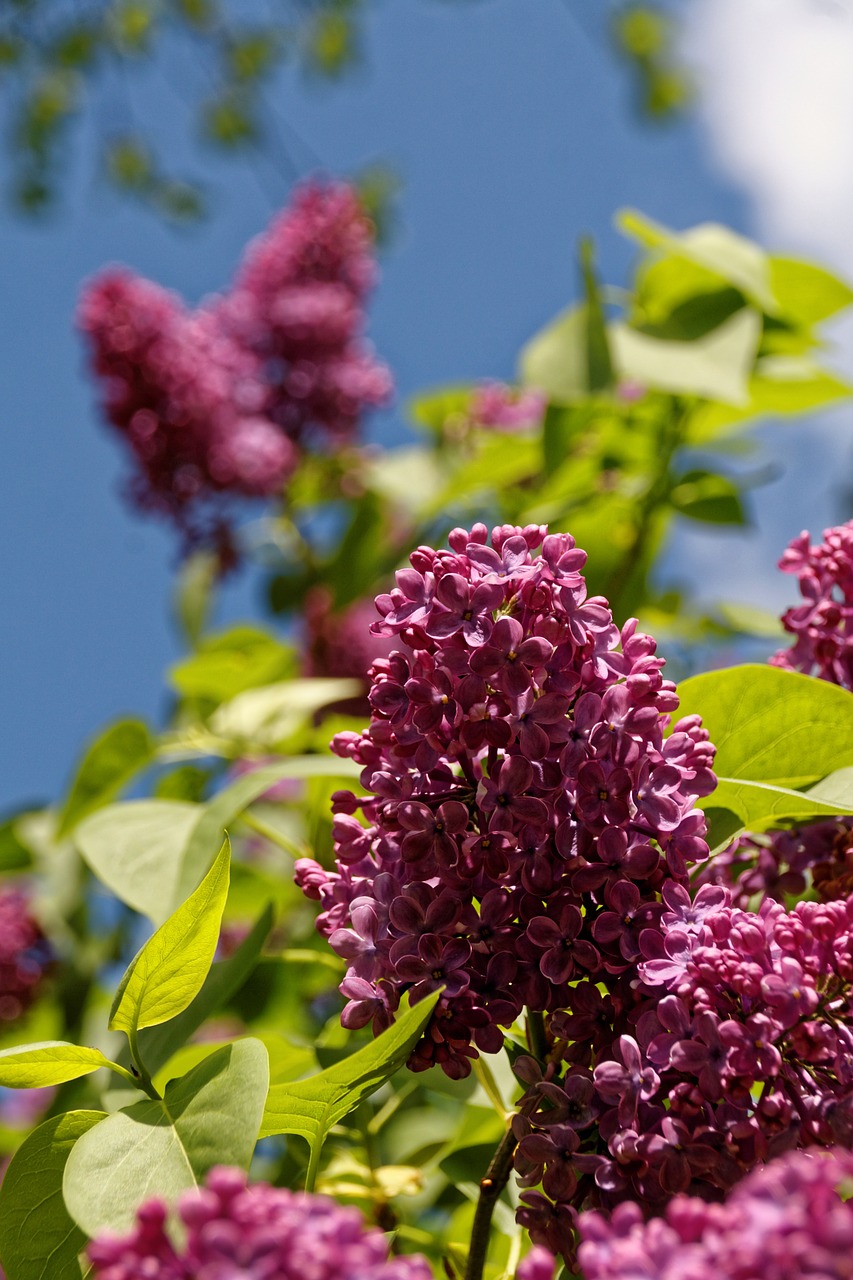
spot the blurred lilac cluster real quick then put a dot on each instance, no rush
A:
(25, 955)
(823, 624)
(232, 1229)
(524, 809)
(789, 1221)
(219, 401)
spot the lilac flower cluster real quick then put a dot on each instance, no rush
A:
(218, 401)
(258, 1232)
(790, 1220)
(503, 408)
(739, 1047)
(820, 854)
(823, 624)
(523, 808)
(25, 955)
(786, 863)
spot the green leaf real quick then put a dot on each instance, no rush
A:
(136, 849)
(780, 385)
(718, 249)
(264, 717)
(775, 731)
(163, 1148)
(555, 359)
(111, 761)
(152, 853)
(437, 410)
(500, 463)
(288, 1061)
(599, 366)
(170, 970)
(231, 662)
(709, 497)
(38, 1239)
(33, 1066)
(770, 725)
(309, 1108)
(716, 367)
(194, 593)
(226, 977)
(806, 292)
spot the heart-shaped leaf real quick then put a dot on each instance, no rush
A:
(163, 1148)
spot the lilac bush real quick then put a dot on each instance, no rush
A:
(232, 1229)
(790, 1220)
(523, 808)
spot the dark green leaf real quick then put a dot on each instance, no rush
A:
(38, 1240)
(599, 366)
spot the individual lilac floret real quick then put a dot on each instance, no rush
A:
(522, 809)
(791, 1220)
(253, 1232)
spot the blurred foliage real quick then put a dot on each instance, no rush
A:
(69, 68)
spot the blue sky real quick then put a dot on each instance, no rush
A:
(513, 132)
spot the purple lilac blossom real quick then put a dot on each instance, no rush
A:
(738, 1047)
(25, 955)
(216, 403)
(494, 841)
(785, 863)
(253, 1232)
(791, 1220)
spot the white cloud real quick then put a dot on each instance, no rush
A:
(777, 100)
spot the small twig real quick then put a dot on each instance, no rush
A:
(497, 1176)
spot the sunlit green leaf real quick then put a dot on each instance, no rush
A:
(33, 1066)
(226, 977)
(718, 249)
(555, 359)
(136, 849)
(267, 715)
(310, 1107)
(170, 970)
(716, 367)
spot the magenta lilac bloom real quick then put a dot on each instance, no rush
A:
(820, 855)
(522, 808)
(822, 625)
(737, 1047)
(791, 1220)
(25, 955)
(216, 403)
(253, 1232)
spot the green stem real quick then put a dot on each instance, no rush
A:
(670, 438)
(275, 836)
(313, 1167)
(141, 1079)
(491, 1187)
(536, 1037)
